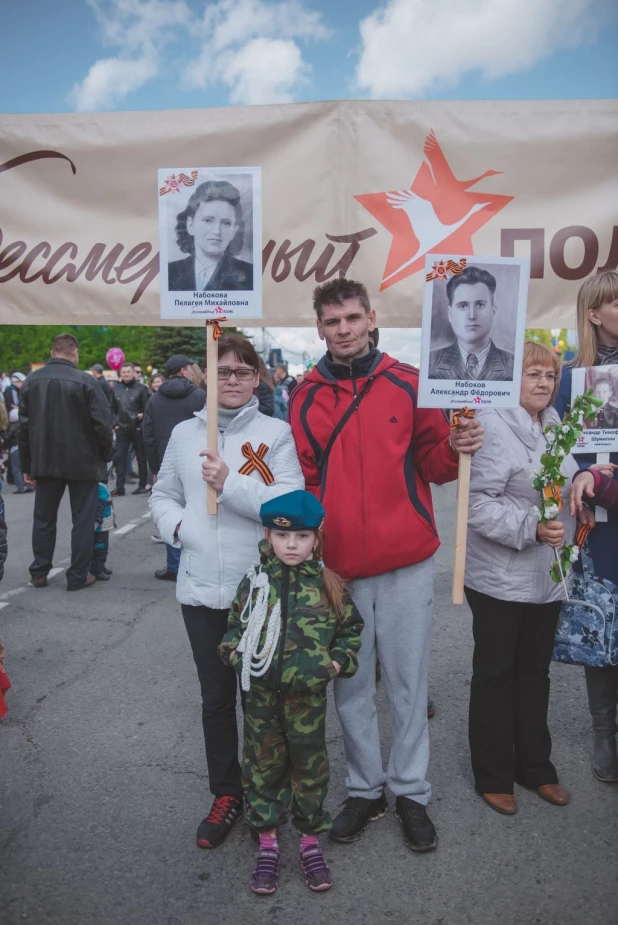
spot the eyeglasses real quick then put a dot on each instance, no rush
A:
(535, 376)
(242, 374)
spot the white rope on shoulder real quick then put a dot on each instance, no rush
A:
(256, 661)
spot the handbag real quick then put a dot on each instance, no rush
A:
(587, 632)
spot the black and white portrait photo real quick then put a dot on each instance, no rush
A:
(481, 324)
(209, 240)
(473, 327)
(600, 434)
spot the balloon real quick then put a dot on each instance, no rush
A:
(114, 357)
(149, 369)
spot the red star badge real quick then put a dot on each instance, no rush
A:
(436, 214)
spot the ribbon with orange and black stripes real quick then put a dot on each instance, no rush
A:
(255, 462)
(456, 417)
(582, 534)
(216, 325)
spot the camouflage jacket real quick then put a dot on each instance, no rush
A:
(312, 636)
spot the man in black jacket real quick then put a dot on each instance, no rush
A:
(65, 438)
(129, 400)
(97, 372)
(175, 400)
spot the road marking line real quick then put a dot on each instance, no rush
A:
(3, 604)
(124, 529)
(146, 516)
(13, 592)
(55, 571)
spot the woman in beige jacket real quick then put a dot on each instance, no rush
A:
(514, 602)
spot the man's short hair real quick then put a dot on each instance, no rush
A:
(281, 366)
(338, 291)
(65, 345)
(470, 276)
(125, 365)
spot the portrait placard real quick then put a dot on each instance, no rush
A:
(210, 238)
(600, 435)
(474, 321)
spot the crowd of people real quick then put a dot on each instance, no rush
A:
(319, 564)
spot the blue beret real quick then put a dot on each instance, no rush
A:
(296, 510)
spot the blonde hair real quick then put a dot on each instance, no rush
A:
(536, 354)
(595, 292)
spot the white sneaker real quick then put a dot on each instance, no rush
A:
(156, 538)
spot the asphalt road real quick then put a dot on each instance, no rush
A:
(102, 777)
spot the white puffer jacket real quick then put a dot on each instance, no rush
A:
(217, 551)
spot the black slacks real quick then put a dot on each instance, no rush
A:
(206, 628)
(83, 497)
(124, 439)
(509, 693)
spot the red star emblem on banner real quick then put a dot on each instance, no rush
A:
(436, 214)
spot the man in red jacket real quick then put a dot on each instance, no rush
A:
(368, 452)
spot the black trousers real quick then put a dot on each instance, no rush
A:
(124, 439)
(100, 551)
(206, 628)
(509, 694)
(83, 497)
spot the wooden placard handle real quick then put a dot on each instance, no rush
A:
(600, 513)
(212, 405)
(461, 527)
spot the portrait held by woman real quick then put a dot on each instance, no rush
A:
(515, 604)
(216, 551)
(211, 230)
(597, 331)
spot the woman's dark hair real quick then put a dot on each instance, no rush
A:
(211, 191)
(241, 347)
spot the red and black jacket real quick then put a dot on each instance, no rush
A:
(375, 483)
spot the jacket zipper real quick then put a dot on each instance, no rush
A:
(362, 478)
(285, 590)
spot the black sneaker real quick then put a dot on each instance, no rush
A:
(107, 571)
(431, 708)
(419, 832)
(118, 492)
(140, 490)
(217, 825)
(355, 816)
(165, 574)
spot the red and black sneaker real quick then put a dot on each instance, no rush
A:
(215, 828)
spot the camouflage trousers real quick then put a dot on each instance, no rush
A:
(285, 762)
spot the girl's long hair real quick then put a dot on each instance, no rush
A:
(595, 292)
(334, 585)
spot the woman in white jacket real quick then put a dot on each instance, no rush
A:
(217, 551)
(515, 604)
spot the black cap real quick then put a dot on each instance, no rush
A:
(176, 363)
(97, 368)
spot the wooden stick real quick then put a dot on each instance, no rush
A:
(212, 405)
(600, 513)
(461, 527)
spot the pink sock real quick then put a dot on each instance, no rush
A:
(308, 841)
(268, 840)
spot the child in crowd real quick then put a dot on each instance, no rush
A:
(104, 522)
(292, 628)
(4, 678)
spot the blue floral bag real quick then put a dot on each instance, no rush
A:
(587, 632)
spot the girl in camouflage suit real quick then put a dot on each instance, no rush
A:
(292, 628)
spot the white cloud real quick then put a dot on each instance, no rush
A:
(252, 47)
(139, 29)
(109, 80)
(411, 47)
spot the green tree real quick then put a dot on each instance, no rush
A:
(545, 336)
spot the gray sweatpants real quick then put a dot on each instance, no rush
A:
(397, 608)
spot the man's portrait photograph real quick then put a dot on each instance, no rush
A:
(474, 324)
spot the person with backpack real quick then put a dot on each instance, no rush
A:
(368, 452)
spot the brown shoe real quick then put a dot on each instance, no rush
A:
(89, 582)
(502, 802)
(40, 582)
(553, 793)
